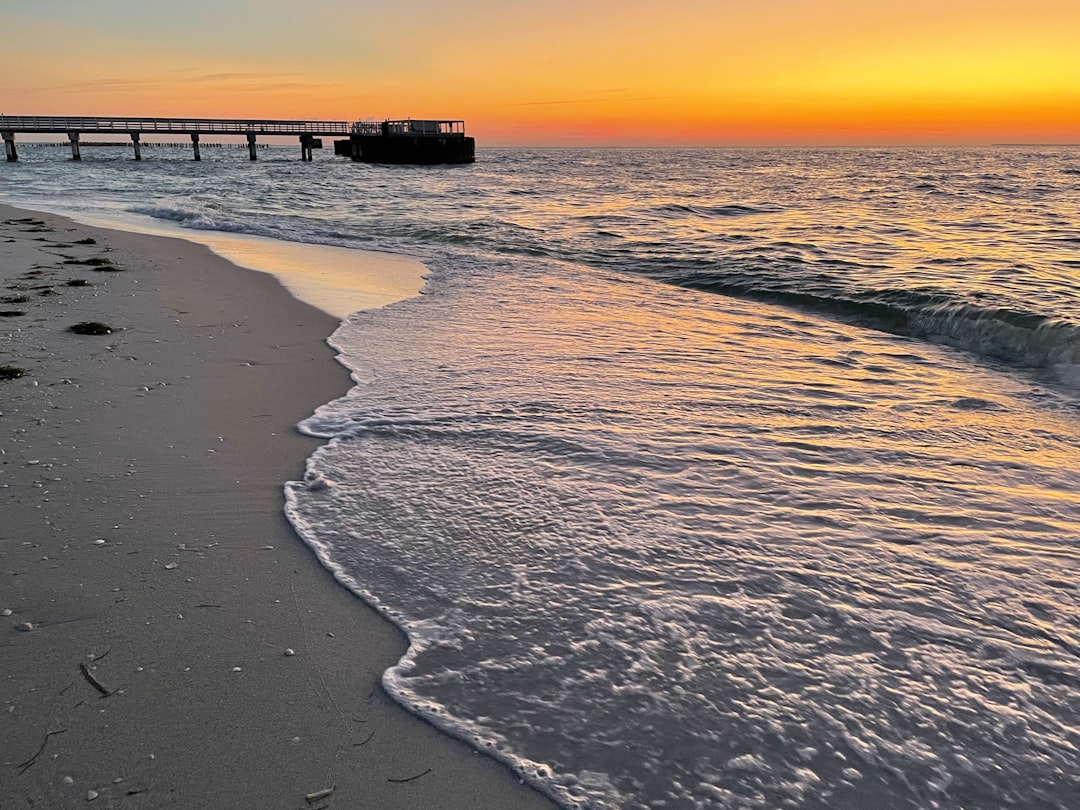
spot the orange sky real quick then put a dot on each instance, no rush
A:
(591, 71)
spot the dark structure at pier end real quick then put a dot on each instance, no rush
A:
(402, 141)
(408, 141)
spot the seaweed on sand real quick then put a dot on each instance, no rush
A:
(91, 328)
(93, 261)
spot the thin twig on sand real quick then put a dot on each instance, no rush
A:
(94, 682)
(23, 767)
(408, 778)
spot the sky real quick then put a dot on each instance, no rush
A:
(567, 72)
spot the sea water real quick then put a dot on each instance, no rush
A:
(698, 478)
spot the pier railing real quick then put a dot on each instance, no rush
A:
(409, 126)
(182, 126)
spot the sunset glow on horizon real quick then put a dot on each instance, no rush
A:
(592, 72)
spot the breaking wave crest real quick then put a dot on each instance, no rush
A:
(1015, 336)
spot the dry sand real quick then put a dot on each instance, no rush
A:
(143, 543)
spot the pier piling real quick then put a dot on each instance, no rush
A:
(76, 154)
(9, 146)
(251, 146)
(135, 143)
(195, 145)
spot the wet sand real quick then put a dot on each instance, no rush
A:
(155, 588)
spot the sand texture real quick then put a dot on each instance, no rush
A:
(153, 583)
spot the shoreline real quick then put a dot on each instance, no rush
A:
(337, 280)
(147, 547)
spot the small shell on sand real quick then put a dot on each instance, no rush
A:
(290, 651)
(25, 627)
(6, 612)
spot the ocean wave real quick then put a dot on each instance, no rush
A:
(1004, 333)
(729, 210)
(206, 219)
(218, 218)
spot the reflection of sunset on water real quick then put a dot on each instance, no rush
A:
(817, 561)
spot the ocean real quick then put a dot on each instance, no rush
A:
(696, 478)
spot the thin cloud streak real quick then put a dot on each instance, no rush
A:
(107, 83)
(588, 101)
(224, 77)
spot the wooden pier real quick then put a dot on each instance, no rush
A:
(404, 141)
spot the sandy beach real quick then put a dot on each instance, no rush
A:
(167, 640)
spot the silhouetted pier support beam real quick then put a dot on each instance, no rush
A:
(137, 145)
(251, 146)
(9, 146)
(73, 137)
(307, 142)
(195, 145)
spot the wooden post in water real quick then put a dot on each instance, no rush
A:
(251, 146)
(305, 147)
(195, 145)
(75, 153)
(135, 143)
(9, 146)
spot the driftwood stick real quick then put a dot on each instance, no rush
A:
(365, 742)
(409, 778)
(94, 682)
(320, 794)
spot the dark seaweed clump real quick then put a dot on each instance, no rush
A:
(86, 241)
(11, 372)
(15, 299)
(11, 313)
(92, 328)
(93, 261)
(77, 282)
